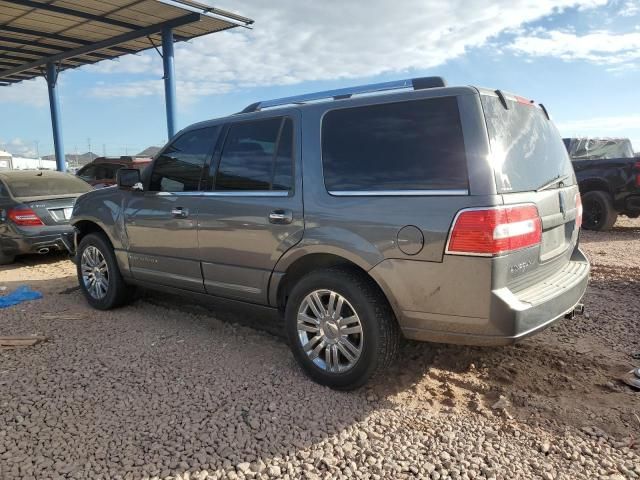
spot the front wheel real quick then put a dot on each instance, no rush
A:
(340, 327)
(598, 211)
(98, 273)
(6, 259)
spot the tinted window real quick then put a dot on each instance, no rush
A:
(3, 191)
(99, 171)
(257, 156)
(46, 184)
(179, 167)
(396, 146)
(598, 148)
(87, 173)
(526, 148)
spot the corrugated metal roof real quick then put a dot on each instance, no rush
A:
(72, 33)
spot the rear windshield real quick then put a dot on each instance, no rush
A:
(526, 148)
(413, 145)
(46, 185)
(598, 148)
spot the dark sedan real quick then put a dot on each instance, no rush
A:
(35, 208)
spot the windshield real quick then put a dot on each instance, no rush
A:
(599, 148)
(46, 185)
(526, 148)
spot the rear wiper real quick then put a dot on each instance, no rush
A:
(552, 182)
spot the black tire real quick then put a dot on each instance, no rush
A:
(118, 293)
(380, 331)
(6, 259)
(598, 211)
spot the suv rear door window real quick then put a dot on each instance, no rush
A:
(257, 156)
(526, 148)
(413, 145)
(179, 168)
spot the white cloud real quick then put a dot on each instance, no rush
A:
(19, 148)
(133, 64)
(30, 92)
(189, 91)
(299, 41)
(604, 48)
(610, 126)
(134, 89)
(630, 8)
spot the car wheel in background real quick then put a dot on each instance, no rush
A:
(598, 211)
(98, 273)
(340, 327)
(6, 259)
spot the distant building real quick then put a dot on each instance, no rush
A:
(23, 163)
(5, 160)
(10, 162)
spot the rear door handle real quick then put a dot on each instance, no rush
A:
(180, 212)
(281, 217)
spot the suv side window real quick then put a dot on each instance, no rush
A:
(179, 167)
(411, 145)
(109, 172)
(4, 193)
(257, 156)
(87, 173)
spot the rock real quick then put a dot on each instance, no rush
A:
(274, 471)
(501, 404)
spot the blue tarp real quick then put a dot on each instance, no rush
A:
(21, 294)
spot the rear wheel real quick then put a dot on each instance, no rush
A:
(6, 259)
(340, 328)
(598, 211)
(98, 273)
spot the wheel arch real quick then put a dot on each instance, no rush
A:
(86, 226)
(282, 282)
(592, 184)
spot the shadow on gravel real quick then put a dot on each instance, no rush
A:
(32, 260)
(616, 234)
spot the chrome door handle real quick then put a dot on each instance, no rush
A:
(281, 217)
(180, 212)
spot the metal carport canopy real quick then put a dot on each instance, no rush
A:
(44, 37)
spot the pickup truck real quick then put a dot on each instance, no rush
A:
(608, 174)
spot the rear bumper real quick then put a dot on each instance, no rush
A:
(506, 316)
(33, 244)
(632, 203)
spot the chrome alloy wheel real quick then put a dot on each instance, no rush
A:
(95, 272)
(330, 331)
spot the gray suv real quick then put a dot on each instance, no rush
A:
(404, 209)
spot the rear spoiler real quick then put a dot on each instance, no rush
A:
(505, 104)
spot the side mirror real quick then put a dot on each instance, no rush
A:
(129, 179)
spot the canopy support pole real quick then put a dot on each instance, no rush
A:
(169, 80)
(54, 106)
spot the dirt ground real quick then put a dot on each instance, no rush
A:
(167, 389)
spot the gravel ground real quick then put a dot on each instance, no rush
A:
(164, 389)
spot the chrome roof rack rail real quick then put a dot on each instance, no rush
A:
(342, 93)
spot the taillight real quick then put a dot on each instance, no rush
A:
(24, 217)
(637, 174)
(579, 210)
(494, 231)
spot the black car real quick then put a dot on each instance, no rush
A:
(35, 208)
(608, 174)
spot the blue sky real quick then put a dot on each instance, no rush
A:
(581, 58)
